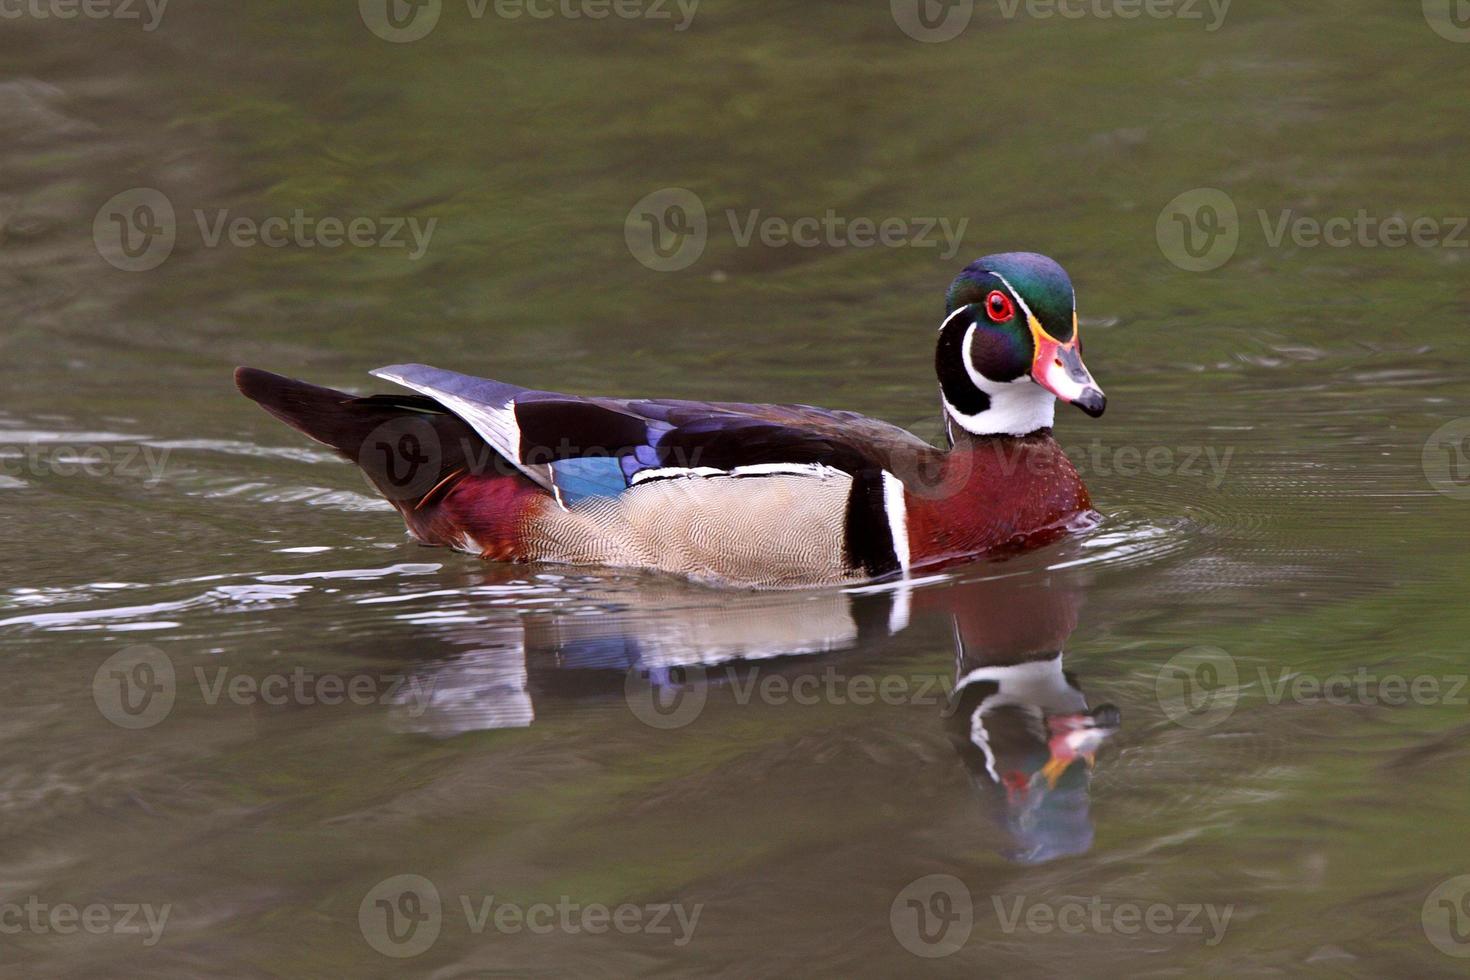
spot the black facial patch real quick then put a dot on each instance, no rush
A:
(949, 364)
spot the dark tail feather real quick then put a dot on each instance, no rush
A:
(410, 447)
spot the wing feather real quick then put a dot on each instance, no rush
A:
(590, 447)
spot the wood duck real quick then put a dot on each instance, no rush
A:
(747, 495)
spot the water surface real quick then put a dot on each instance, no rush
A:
(1273, 519)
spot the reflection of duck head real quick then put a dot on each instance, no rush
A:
(1019, 721)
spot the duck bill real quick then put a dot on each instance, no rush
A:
(1058, 368)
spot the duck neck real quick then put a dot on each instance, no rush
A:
(1018, 408)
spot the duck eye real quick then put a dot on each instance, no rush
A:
(998, 307)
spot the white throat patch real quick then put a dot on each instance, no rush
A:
(1016, 407)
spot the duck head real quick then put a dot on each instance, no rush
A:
(1009, 347)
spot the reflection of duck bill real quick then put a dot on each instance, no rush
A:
(1077, 737)
(1021, 721)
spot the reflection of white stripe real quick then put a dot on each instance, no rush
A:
(898, 524)
(898, 613)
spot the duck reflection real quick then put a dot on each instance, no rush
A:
(1019, 721)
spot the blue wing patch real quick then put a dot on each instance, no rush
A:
(588, 476)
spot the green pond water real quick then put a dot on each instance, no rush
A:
(247, 728)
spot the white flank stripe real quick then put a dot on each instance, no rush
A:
(898, 523)
(672, 472)
(816, 470)
(819, 470)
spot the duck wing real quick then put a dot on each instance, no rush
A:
(579, 447)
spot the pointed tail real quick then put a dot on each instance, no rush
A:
(411, 447)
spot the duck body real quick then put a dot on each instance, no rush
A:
(764, 496)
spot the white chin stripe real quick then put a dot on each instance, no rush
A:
(1015, 409)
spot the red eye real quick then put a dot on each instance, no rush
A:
(998, 307)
